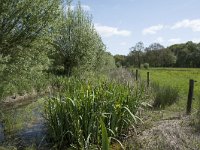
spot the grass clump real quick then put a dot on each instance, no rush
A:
(195, 119)
(164, 95)
(73, 118)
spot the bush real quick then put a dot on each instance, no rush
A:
(146, 65)
(121, 75)
(164, 95)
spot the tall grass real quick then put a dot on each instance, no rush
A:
(73, 118)
(164, 95)
(197, 114)
(105, 138)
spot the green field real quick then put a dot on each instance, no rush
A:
(176, 77)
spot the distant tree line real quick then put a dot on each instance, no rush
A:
(156, 55)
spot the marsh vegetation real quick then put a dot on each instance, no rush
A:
(61, 89)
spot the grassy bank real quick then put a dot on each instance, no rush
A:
(177, 78)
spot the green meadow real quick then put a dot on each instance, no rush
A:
(177, 78)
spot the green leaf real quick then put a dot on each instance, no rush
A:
(105, 139)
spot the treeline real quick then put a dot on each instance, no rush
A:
(43, 37)
(155, 55)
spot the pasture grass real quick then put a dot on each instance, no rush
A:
(179, 79)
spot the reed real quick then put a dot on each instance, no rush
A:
(73, 118)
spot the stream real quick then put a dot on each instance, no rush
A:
(23, 126)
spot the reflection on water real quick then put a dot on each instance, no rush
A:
(34, 135)
(24, 126)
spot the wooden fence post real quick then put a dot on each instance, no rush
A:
(136, 75)
(147, 79)
(190, 96)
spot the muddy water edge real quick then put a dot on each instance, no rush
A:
(22, 124)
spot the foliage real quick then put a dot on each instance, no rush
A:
(177, 78)
(76, 42)
(8, 147)
(107, 64)
(41, 37)
(120, 60)
(199, 109)
(105, 139)
(23, 44)
(164, 95)
(195, 118)
(136, 54)
(160, 57)
(188, 54)
(122, 76)
(178, 55)
(22, 22)
(146, 65)
(26, 71)
(82, 106)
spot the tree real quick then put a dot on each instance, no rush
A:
(167, 58)
(135, 55)
(109, 62)
(23, 41)
(120, 60)
(152, 54)
(77, 42)
(187, 54)
(178, 55)
(154, 46)
(22, 22)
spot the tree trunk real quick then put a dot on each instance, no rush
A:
(67, 68)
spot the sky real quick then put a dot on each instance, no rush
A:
(123, 23)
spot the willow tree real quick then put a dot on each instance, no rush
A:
(23, 28)
(21, 22)
(77, 42)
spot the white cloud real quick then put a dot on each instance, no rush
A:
(159, 40)
(175, 40)
(192, 24)
(86, 7)
(123, 43)
(108, 31)
(71, 7)
(152, 29)
(196, 40)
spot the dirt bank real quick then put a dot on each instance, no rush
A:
(176, 133)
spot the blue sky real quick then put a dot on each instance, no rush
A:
(123, 23)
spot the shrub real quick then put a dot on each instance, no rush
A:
(146, 65)
(142, 66)
(121, 75)
(164, 95)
